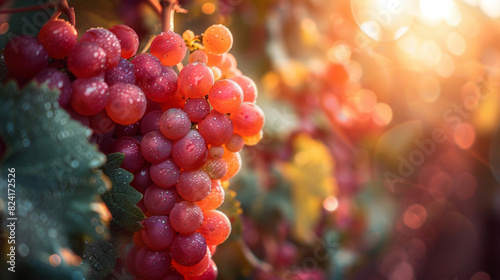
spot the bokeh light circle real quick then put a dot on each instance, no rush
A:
(384, 20)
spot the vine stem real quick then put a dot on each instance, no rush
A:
(61, 5)
(167, 15)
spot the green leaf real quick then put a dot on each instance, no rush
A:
(56, 179)
(101, 256)
(121, 200)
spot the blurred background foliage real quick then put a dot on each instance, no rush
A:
(380, 149)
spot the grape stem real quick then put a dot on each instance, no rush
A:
(64, 8)
(167, 15)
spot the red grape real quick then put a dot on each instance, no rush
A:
(195, 80)
(225, 96)
(248, 120)
(86, 60)
(196, 269)
(107, 41)
(25, 56)
(129, 41)
(169, 47)
(122, 73)
(215, 228)
(157, 233)
(216, 128)
(142, 179)
(188, 249)
(209, 274)
(56, 79)
(132, 150)
(151, 264)
(58, 37)
(90, 96)
(248, 86)
(127, 103)
(151, 121)
(146, 67)
(214, 199)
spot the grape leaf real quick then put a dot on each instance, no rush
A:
(311, 174)
(56, 179)
(101, 256)
(121, 200)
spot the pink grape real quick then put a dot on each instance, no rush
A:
(174, 124)
(190, 152)
(196, 109)
(147, 67)
(161, 87)
(186, 217)
(235, 143)
(193, 185)
(209, 274)
(165, 174)
(216, 152)
(155, 147)
(160, 201)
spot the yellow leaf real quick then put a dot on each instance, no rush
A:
(311, 174)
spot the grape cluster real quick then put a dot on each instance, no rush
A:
(181, 133)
